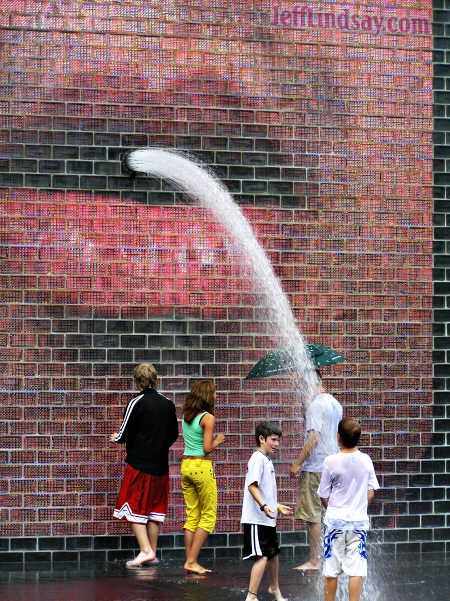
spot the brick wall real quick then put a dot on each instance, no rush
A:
(438, 456)
(327, 147)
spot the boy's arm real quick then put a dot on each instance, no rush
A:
(324, 489)
(309, 446)
(370, 494)
(122, 435)
(256, 494)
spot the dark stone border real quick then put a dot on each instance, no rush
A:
(439, 452)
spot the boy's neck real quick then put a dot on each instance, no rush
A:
(261, 450)
(348, 449)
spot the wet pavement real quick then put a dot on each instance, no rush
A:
(406, 579)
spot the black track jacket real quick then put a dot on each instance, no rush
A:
(149, 428)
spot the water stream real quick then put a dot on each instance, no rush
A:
(200, 185)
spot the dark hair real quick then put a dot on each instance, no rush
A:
(349, 431)
(318, 374)
(266, 429)
(200, 398)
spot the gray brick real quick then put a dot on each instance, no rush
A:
(66, 181)
(79, 167)
(93, 182)
(51, 166)
(66, 152)
(11, 179)
(92, 152)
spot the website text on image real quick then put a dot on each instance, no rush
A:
(303, 16)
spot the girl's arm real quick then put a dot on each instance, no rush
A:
(209, 442)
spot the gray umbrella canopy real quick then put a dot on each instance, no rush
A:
(282, 361)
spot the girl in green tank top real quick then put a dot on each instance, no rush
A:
(197, 474)
(193, 435)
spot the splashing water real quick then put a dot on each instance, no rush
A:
(203, 187)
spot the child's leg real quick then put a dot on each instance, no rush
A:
(140, 532)
(193, 511)
(274, 588)
(255, 578)
(355, 564)
(354, 588)
(194, 542)
(146, 552)
(206, 490)
(153, 529)
(330, 588)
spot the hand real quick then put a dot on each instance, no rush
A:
(285, 510)
(113, 437)
(219, 438)
(269, 513)
(294, 469)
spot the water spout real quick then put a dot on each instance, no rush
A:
(203, 187)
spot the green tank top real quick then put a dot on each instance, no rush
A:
(193, 436)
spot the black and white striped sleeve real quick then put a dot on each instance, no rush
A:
(122, 433)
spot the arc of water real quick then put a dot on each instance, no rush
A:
(203, 187)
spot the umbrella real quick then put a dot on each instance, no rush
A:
(282, 360)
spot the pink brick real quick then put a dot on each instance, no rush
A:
(330, 256)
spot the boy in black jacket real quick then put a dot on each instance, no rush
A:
(149, 428)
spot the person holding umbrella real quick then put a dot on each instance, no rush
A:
(322, 418)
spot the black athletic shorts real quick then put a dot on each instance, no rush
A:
(260, 541)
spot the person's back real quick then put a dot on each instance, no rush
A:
(350, 474)
(323, 416)
(347, 484)
(150, 428)
(193, 435)
(198, 480)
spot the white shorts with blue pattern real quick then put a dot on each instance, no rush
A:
(344, 551)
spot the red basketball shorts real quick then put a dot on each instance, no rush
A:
(142, 497)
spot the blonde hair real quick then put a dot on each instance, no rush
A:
(145, 375)
(201, 398)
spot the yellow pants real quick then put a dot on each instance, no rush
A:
(200, 494)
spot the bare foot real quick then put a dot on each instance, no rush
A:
(140, 559)
(195, 568)
(251, 597)
(154, 562)
(309, 565)
(276, 593)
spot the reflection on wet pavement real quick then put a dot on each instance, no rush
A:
(405, 579)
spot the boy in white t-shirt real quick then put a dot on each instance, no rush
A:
(346, 487)
(259, 511)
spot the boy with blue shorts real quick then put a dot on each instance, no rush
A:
(346, 487)
(259, 510)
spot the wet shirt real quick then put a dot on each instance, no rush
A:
(346, 479)
(323, 415)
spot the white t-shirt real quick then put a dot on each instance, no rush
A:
(346, 478)
(323, 415)
(260, 470)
